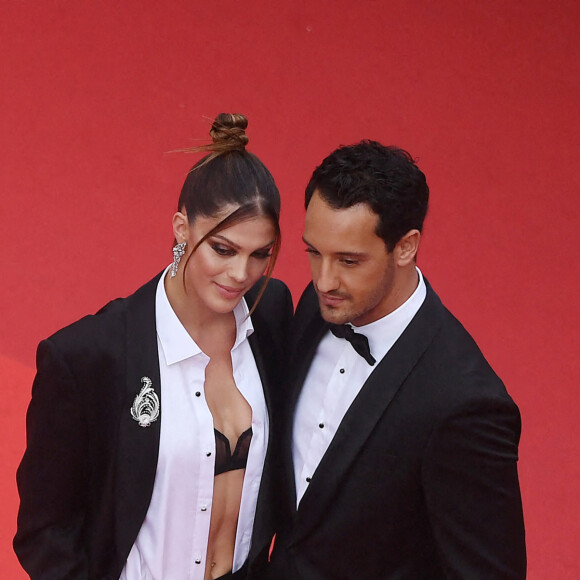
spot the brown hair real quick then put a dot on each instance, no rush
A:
(230, 175)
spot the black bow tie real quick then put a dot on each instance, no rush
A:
(359, 342)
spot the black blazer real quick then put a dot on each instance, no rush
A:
(420, 481)
(87, 475)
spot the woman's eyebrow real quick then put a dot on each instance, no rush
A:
(238, 247)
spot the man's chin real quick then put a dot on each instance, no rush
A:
(334, 315)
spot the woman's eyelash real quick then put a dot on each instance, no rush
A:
(225, 251)
(222, 250)
(263, 255)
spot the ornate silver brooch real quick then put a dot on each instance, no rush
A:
(145, 409)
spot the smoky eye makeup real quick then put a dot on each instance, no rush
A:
(221, 249)
(262, 254)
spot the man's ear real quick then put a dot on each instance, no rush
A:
(180, 227)
(406, 249)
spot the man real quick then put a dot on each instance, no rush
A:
(400, 462)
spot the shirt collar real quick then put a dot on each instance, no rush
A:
(176, 343)
(393, 324)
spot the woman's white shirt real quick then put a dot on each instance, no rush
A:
(172, 541)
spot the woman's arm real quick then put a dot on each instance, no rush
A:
(52, 477)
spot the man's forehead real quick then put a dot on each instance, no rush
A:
(339, 248)
(323, 218)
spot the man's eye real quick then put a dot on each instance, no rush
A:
(349, 262)
(312, 252)
(222, 250)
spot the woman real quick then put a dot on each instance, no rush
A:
(148, 428)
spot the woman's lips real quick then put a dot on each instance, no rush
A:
(229, 292)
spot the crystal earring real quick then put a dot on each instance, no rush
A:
(178, 251)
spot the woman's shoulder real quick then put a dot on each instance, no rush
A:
(277, 288)
(107, 324)
(276, 295)
(91, 329)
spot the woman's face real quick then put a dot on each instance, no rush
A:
(226, 265)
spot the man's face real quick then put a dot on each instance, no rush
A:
(354, 275)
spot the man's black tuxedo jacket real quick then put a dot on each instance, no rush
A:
(420, 481)
(87, 475)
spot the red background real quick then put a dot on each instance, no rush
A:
(94, 94)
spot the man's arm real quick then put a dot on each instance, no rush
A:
(472, 491)
(52, 475)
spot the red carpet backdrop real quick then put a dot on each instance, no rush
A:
(93, 96)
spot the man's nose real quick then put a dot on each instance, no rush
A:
(327, 280)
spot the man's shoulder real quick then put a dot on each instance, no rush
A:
(455, 360)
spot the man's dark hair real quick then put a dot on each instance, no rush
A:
(387, 179)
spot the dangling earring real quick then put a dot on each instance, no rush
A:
(178, 251)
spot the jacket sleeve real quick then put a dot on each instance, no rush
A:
(52, 475)
(472, 492)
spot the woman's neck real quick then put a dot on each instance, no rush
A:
(205, 326)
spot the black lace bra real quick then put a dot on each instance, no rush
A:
(225, 460)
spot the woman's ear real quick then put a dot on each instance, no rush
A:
(180, 227)
(407, 247)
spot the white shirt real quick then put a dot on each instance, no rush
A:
(172, 542)
(334, 379)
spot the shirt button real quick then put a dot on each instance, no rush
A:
(341, 371)
(197, 561)
(203, 508)
(321, 425)
(208, 454)
(197, 394)
(308, 479)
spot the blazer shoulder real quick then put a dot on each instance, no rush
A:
(454, 360)
(104, 327)
(308, 300)
(275, 303)
(306, 309)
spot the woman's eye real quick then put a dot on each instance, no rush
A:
(262, 255)
(222, 250)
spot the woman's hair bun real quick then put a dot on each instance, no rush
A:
(228, 132)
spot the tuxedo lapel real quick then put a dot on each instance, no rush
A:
(366, 410)
(266, 357)
(261, 343)
(138, 446)
(260, 352)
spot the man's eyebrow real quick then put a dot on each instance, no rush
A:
(359, 255)
(351, 254)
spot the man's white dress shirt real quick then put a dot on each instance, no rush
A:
(172, 542)
(334, 379)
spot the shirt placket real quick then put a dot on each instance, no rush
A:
(206, 458)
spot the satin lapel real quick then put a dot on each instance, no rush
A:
(138, 446)
(264, 350)
(366, 410)
(262, 532)
(257, 345)
(260, 340)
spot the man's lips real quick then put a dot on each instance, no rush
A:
(330, 299)
(229, 291)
